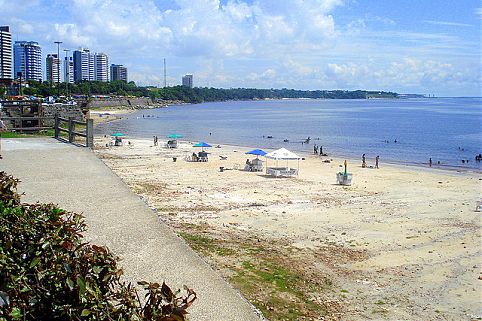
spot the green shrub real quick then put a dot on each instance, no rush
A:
(47, 271)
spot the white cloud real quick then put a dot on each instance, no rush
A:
(22, 26)
(478, 11)
(203, 28)
(257, 43)
(408, 74)
(71, 35)
(447, 23)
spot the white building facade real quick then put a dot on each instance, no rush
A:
(5, 53)
(69, 70)
(83, 61)
(101, 67)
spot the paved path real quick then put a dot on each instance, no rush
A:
(77, 180)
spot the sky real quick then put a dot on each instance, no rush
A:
(405, 46)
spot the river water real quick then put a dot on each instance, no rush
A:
(444, 129)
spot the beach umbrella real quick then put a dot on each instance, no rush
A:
(202, 144)
(174, 136)
(257, 152)
(117, 135)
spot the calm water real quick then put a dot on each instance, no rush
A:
(423, 128)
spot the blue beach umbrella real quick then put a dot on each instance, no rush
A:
(257, 152)
(202, 144)
(117, 135)
(174, 136)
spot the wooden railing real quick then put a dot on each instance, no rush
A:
(19, 125)
(88, 133)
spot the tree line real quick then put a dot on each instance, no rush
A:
(193, 95)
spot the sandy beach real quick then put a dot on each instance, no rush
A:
(401, 243)
(106, 115)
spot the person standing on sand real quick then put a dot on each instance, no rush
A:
(321, 150)
(430, 162)
(363, 164)
(376, 161)
(315, 149)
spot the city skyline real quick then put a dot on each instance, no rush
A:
(25, 58)
(407, 46)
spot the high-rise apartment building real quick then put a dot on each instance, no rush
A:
(53, 68)
(101, 67)
(27, 60)
(187, 81)
(5, 53)
(90, 66)
(69, 70)
(83, 65)
(118, 72)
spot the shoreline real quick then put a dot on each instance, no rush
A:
(350, 159)
(447, 164)
(420, 166)
(389, 246)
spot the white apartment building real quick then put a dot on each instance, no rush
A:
(83, 65)
(5, 53)
(101, 65)
(69, 70)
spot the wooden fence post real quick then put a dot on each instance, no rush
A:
(57, 125)
(71, 129)
(90, 133)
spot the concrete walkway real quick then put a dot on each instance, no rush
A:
(74, 178)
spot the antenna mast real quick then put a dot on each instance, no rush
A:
(165, 84)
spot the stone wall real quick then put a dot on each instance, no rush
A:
(141, 102)
(65, 111)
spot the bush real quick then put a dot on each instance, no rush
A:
(47, 272)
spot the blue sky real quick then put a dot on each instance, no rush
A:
(407, 46)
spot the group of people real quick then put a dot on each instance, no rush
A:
(315, 150)
(364, 161)
(202, 156)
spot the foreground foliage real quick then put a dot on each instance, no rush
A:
(47, 272)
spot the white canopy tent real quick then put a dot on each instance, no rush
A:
(282, 154)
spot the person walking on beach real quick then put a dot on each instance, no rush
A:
(315, 150)
(376, 161)
(430, 162)
(364, 163)
(321, 150)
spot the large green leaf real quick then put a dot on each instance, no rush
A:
(81, 284)
(34, 262)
